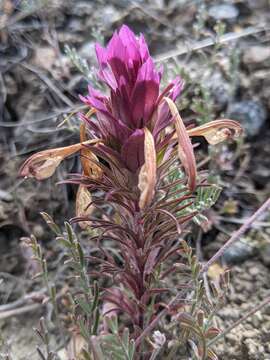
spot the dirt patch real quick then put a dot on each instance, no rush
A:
(250, 340)
(19, 337)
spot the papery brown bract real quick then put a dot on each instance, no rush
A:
(89, 161)
(185, 148)
(90, 168)
(217, 131)
(83, 204)
(148, 172)
(43, 164)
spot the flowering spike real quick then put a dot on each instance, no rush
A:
(185, 148)
(134, 160)
(127, 68)
(217, 131)
(147, 176)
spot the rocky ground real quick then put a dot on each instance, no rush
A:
(39, 87)
(250, 340)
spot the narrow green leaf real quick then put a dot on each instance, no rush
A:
(70, 233)
(96, 296)
(52, 225)
(64, 242)
(86, 355)
(96, 321)
(132, 348)
(96, 348)
(112, 324)
(84, 306)
(125, 338)
(83, 329)
(81, 255)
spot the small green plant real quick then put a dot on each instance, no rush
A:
(38, 256)
(82, 65)
(202, 105)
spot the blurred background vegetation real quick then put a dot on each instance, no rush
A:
(47, 57)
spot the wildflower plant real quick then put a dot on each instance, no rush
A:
(132, 140)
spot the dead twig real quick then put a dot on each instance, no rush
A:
(29, 307)
(210, 42)
(46, 117)
(232, 220)
(22, 301)
(19, 311)
(49, 83)
(19, 17)
(236, 235)
(242, 319)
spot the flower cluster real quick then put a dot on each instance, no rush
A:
(135, 105)
(126, 67)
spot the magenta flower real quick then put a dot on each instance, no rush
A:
(126, 67)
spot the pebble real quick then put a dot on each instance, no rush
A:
(250, 334)
(237, 298)
(229, 313)
(256, 320)
(83, 8)
(250, 339)
(254, 271)
(257, 56)
(267, 312)
(252, 349)
(261, 175)
(75, 25)
(220, 91)
(251, 114)
(224, 12)
(5, 196)
(3, 211)
(38, 231)
(261, 81)
(110, 15)
(232, 339)
(264, 252)
(44, 57)
(124, 3)
(266, 335)
(238, 252)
